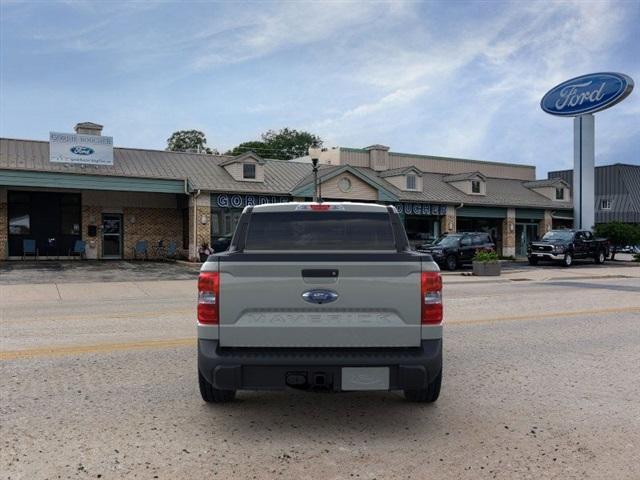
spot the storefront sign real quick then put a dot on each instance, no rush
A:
(80, 149)
(587, 94)
(421, 209)
(224, 200)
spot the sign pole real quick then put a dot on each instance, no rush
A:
(579, 98)
(583, 171)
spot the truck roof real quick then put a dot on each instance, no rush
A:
(344, 206)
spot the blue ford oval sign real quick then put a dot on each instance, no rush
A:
(79, 150)
(320, 296)
(587, 94)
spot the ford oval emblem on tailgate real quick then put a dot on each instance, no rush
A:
(320, 296)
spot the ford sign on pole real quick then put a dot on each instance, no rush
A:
(76, 148)
(580, 97)
(587, 94)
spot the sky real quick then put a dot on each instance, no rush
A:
(446, 78)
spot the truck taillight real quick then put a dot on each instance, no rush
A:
(209, 297)
(431, 298)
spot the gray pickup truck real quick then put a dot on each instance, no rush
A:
(320, 296)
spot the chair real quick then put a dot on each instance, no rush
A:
(141, 248)
(29, 248)
(79, 248)
(172, 248)
(160, 250)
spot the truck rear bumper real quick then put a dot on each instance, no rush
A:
(279, 368)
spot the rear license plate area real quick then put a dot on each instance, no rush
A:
(365, 378)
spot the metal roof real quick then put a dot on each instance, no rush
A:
(203, 171)
(280, 176)
(399, 171)
(547, 182)
(463, 176)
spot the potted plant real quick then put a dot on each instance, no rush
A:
(486, 264)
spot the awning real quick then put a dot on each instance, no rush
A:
(29, 178)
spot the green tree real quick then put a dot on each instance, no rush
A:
(283, 144)
(619, 234)
(257, 147)
(188, 141)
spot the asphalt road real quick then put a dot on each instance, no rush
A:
(542, 380)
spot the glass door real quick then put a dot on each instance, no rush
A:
(525, 233)
(111, 235)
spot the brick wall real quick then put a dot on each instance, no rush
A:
(545, 224)
(204, 230)
(152, 225)
(509, 233)
(4, 242)
(448, 222)
(92, 216)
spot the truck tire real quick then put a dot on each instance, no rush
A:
(213, 395)
(600, 257)
(533, 260)
(451, 263)
(427, 395)
(568, 260)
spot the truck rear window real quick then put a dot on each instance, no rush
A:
(319, 231)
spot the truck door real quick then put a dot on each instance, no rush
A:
(579, 245)
(467, 250)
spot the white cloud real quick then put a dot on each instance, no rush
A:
(414, 75)
(482, 80)
(287, 25)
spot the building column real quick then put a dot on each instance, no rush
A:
(4, 227)
(545, 224)
(92, 217)
(201, 223)
(509, 234)
(448, 222)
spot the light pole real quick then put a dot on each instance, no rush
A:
(314, 153)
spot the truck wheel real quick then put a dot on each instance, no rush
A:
(600, 257)
(213, 395)
(451, 263)
(427, 395)
(533, 261)
(568, 260)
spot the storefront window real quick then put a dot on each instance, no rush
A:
(422, 230)
(185, 228)
(492, 226)
(69, 219)
(19, 220)
(52, 219)
(19, 217)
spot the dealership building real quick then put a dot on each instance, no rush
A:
(113, 198)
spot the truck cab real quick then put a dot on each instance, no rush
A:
(320, 296)
(564, 246)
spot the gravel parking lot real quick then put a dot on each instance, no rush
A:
(541, 381)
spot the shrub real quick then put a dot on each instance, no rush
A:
(619, 234)
(482, 256)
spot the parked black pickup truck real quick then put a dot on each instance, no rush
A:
(565, 246)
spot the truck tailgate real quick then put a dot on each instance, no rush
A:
(377, 304)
